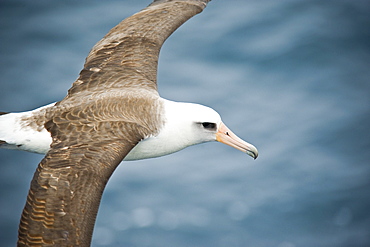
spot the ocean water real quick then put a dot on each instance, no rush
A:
(292, 77)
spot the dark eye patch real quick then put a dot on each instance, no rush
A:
(208, 125)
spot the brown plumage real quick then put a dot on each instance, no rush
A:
(89, 126)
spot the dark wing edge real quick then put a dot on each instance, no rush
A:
(128, 54)
(65, 194)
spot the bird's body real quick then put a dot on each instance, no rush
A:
(20, 131)
(112, 112)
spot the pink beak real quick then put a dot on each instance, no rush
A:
(226, 136)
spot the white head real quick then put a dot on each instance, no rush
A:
(191, 123)
(188, 124)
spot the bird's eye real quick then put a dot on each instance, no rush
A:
(208, 125)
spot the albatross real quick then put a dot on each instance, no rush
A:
(112, 112)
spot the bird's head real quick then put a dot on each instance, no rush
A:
(194, 123)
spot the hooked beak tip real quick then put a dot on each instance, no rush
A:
(226, 136)
(253, 153)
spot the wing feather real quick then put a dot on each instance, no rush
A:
(128, 55)
(65, 194)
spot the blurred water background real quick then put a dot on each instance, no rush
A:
(291, 77)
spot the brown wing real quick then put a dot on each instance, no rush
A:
(89, 141)
(65, 193)
(128, 55)
(97, 125)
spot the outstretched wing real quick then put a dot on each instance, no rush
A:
(94, 127)
(65, 192)
(128, 55)
(67, 186)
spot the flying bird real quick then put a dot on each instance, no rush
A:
(112, 112)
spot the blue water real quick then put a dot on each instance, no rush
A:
(291, 77)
